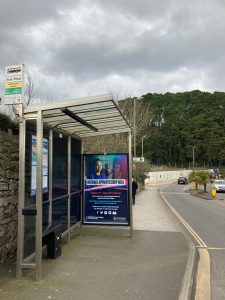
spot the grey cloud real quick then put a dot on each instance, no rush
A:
(147, 52)
(14, 14)
(186, 41)
(140, 9)
(96, 40)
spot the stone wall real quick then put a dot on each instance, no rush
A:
(9, 168)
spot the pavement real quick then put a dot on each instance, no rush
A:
(105, 263)
(218, 199)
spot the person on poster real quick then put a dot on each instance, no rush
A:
(107, 170)
(134, 189)
(98, 170)
(116, 173)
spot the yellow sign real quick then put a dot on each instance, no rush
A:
(13, 85)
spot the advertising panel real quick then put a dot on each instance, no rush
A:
(106, 195)
(34, 166)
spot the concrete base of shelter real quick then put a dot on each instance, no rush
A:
(106, 264)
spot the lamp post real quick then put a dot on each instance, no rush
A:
(193, 155)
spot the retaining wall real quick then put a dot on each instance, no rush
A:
(9, 170)
(164, 176)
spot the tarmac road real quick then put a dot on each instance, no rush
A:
(207, 218)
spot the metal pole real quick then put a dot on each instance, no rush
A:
(50, 176)
(82, 172)
(130, 186)
(38, 229)
(193, 153)
(134, 127)
(21, 192)
(69, 187)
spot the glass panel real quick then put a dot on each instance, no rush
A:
(45, 214)
(52, 112)
(29, 235)
(53, 120)
(30, 130)
(29, 221)
(75, 165)
(75, 181)
(80, 108)
(60, 179)
(100, 111)
(30, 185)
(31, 164)
(59, 211)
(75, 209)
(91, 106)
(60, 166)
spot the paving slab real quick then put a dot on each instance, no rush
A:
(105, 263)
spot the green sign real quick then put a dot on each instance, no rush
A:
(13, 91)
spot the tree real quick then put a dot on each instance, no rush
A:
(140, 170)
(200, 177)
(111, 143)
(119, 142)
(183, 120)
(139, 114)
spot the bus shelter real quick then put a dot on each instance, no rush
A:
(51, 169)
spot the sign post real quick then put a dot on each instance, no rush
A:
(14, 84)
(138, 159)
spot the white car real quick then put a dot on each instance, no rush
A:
(219, 185)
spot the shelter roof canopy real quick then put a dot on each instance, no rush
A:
(84, 117)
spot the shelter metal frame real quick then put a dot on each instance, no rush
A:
(80, 118)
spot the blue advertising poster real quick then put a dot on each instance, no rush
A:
(34, 166)
(106, 193)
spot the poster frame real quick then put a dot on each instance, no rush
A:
(128, 224)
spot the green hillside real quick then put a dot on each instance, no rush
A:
(182, 121)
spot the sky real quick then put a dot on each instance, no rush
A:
(129, 48)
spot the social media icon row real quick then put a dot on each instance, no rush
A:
(105, 212)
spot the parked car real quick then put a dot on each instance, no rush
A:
(182, 180)
(219, 185)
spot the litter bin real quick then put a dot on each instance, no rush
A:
(54, 243)
(52, 237)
